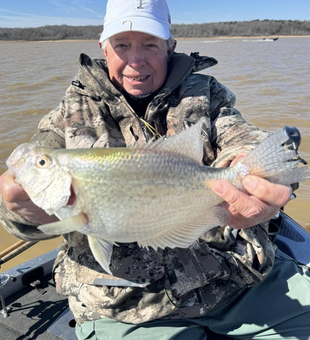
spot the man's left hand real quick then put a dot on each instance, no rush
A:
(261, 203)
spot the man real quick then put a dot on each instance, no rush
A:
(229, 280)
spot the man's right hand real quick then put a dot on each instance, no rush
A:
(17, 200)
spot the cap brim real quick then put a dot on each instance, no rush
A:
(136, 24)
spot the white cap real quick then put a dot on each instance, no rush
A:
(147, 16)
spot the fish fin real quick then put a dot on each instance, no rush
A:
(187, 143)
(65, 226)
(276, 161)
(102, 251)
(185, 235)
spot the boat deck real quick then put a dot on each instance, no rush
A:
(33, 310)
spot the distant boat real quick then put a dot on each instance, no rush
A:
(271, 39)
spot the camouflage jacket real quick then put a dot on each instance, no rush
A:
(149, 284)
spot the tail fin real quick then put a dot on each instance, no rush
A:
(276, 158)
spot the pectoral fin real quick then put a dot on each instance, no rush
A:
(65, 226)
(102, 251)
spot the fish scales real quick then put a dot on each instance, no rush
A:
(157, 194)
(133, 199)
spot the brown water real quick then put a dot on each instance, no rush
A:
(270, 79)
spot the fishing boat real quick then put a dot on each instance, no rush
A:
(271, 39)
(31, 308)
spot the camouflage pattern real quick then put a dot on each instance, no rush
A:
(175, 283)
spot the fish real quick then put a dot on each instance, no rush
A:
(157, 194)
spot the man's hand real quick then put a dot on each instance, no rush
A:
(261, 204)
(17, 200)
(263, 201)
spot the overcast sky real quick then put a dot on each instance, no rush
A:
(33, 13)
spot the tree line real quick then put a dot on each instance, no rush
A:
(215, 29)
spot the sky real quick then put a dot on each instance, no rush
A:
(34, 13)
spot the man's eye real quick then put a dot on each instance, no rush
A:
(120, 46)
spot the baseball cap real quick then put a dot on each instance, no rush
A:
(147, 16)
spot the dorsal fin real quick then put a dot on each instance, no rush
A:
(187, 143)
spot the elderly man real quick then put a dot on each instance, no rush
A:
(232, 281)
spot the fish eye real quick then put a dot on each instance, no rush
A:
(43, 162)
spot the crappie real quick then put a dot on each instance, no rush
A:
(157, 195)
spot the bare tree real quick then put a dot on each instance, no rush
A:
(214, 29)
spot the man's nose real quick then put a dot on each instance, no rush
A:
(136, 57)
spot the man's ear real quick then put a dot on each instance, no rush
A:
(171, 50)
(104, 51)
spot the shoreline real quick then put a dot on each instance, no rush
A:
(179, 38)
(246, 37)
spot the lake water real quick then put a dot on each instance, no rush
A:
(270, 79)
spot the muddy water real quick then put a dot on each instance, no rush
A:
(270, 79)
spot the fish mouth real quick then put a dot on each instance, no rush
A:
(72, 197)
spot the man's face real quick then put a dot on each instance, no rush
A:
(137, 62)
